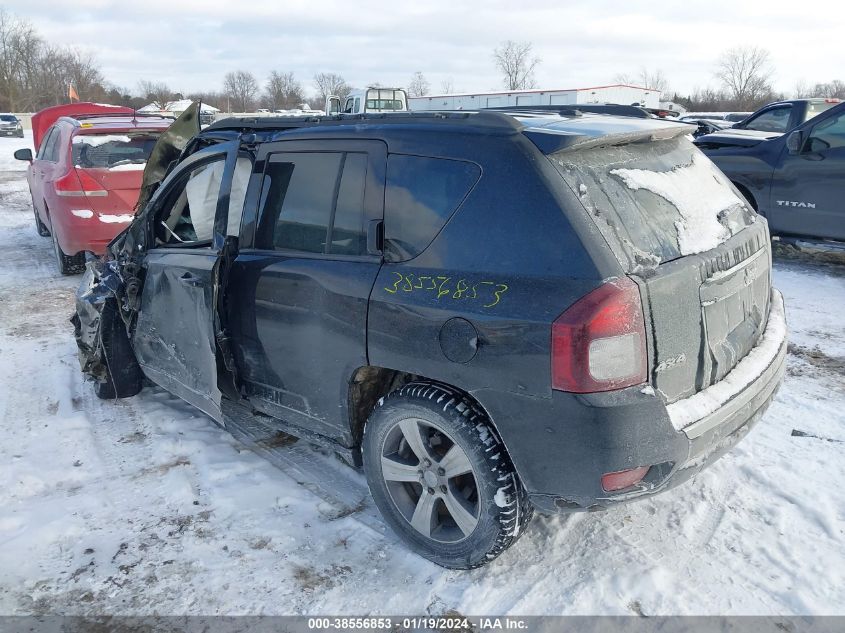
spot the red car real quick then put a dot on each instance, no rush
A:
(86, 176)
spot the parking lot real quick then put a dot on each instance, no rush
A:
(145, 506)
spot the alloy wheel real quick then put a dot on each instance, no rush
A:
(430, 480)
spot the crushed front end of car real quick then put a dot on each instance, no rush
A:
(101, 282)
(111, 285)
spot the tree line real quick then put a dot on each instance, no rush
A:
(35, 75)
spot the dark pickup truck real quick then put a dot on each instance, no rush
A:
(795, 180)
(768, 122)
(782, 116)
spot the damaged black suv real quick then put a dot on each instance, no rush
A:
(491, 313)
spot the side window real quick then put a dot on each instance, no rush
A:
(51, 146)
(45, 142)
(52, 153)
(774, 120)
(186, 216)
(357, 104)
(828, 134)
(347, 237)
(348, 108)
(422, 194)
(313, 202)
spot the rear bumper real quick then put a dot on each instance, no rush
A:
(576, 439)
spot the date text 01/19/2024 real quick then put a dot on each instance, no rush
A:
(422, 623)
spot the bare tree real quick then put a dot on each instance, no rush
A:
(801, 90)
(157, 93)
(645, 78)
(241, 87)
(34, 75)
(283, 90)
(447, 86)
(745, 72)
(833, 90)
(331, 84)
(516, 63)
(216, 99)
(19, 50)
(419, 86)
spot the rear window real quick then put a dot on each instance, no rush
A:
(115, 151)
(817, 107)
(384, 99)
(422, 194)
(384, 104)
(655, 201)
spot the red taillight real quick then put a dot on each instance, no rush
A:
(623, 479)
(832, 100)
(599, 343)
(77, 183)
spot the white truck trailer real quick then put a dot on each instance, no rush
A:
(622, 94)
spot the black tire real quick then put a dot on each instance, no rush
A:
(123, 377)
(68, 264)
(492, 504)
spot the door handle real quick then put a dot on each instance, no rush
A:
(375, 237)
(190, 280)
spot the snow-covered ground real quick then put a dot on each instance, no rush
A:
(145, 506)
(8, 145)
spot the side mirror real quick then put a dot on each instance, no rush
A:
(795, 141)
(24, 154)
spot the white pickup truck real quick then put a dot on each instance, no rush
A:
(371, 99)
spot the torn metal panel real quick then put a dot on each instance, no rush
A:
(167, 150)
(101, 282)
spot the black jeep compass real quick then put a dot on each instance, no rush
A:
(491, 313)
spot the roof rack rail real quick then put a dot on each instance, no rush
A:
(577, 109)
(479, 118)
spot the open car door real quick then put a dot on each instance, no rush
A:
(178, 331)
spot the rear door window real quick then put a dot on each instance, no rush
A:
(347, 237)
(422, 194)
(50, 147)
(313, 202)
(45, 142)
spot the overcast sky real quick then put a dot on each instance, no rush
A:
(191, 44)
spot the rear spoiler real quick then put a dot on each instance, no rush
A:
(550, 141)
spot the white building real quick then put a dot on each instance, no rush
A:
(176, 108)
(623, 94)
